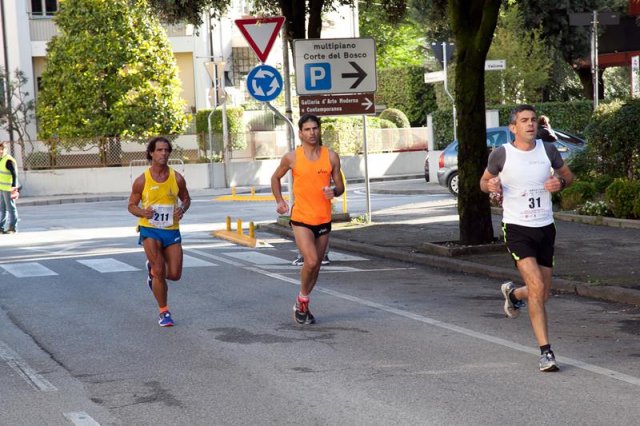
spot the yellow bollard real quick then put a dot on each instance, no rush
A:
(344, 194)
(228, 223)
(252, 230)
(239, 225)
(233, 191)
(253, 191)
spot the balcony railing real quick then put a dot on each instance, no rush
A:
(43, 29)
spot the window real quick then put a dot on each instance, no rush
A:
(43, 7)
(244, 60)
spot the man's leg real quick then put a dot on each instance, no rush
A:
(312, 249)
(173, 257)
(155, 256)
(4, 197)
(12, 214)
(537, 290)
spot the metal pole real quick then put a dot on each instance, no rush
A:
(7, 77)
(287, 79)
(291, 145)
(594, 62)
(366, 167)
(446, 89)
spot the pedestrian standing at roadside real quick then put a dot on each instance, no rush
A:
(545, 132)
(8, 192)
(314, 167)
(521, 172)
(159, 197)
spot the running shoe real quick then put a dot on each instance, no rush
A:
(512, 310)
(298, 261)
(548, 362)
(165, 319)
(301, 313)
(149, 277)
(325, 260)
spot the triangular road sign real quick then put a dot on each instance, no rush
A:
(261, 33)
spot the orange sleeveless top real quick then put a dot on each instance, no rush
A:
(309, 177)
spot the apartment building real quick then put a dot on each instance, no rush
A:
(27, 27)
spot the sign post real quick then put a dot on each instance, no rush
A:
(635, 76)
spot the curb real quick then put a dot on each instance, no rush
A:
(606, 293)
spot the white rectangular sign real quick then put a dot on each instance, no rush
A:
(338, 65)
(495, 64)
(635, 76)
(433, 77)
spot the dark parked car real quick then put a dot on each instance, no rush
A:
(567, 145)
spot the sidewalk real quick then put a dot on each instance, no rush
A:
(590, 260)
(594, 261)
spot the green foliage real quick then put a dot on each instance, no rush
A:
(395, 116)
(622, 198)
(110, 72)
(344, 134)
(601, 183)
(192, 11)
(617, 84)
(576, 194)
(235, 126)
(404, 89)
(527, 61)
(613, 137)
(399, 44)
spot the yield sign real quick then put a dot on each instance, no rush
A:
(261, 33)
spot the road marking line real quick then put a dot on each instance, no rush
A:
(460, 330)
(80, 418)
(24, 370)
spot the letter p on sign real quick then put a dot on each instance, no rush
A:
(317, 76)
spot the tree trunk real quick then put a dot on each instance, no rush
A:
(586, 78)
(314, 29)
(294, 13)
(473, 23)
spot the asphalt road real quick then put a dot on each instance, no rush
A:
(395, 343)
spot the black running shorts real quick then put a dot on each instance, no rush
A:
(318, 230)
(524, 241)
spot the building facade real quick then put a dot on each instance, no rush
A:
(27, 27)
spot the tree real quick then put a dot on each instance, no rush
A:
(572, 42)
(110, 73)
(17, 112)
(473, 23)
(528, 61)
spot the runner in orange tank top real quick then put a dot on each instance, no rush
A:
(314, 168)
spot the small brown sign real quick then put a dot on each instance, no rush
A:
(350, 104)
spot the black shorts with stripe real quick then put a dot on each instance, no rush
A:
(525, 241)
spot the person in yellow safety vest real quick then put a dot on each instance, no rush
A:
(8, 192)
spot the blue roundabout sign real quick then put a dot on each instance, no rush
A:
(264, 83)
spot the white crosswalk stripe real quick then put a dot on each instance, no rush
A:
(107, 265)
(27, 269)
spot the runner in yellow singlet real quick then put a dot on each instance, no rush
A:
(314, 168)
(159, 197)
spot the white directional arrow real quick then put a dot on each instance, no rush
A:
(367, 104)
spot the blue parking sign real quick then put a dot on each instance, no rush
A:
(317, 76)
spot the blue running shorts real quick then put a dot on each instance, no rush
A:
(166, 237)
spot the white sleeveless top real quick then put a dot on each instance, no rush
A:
(525, 201)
